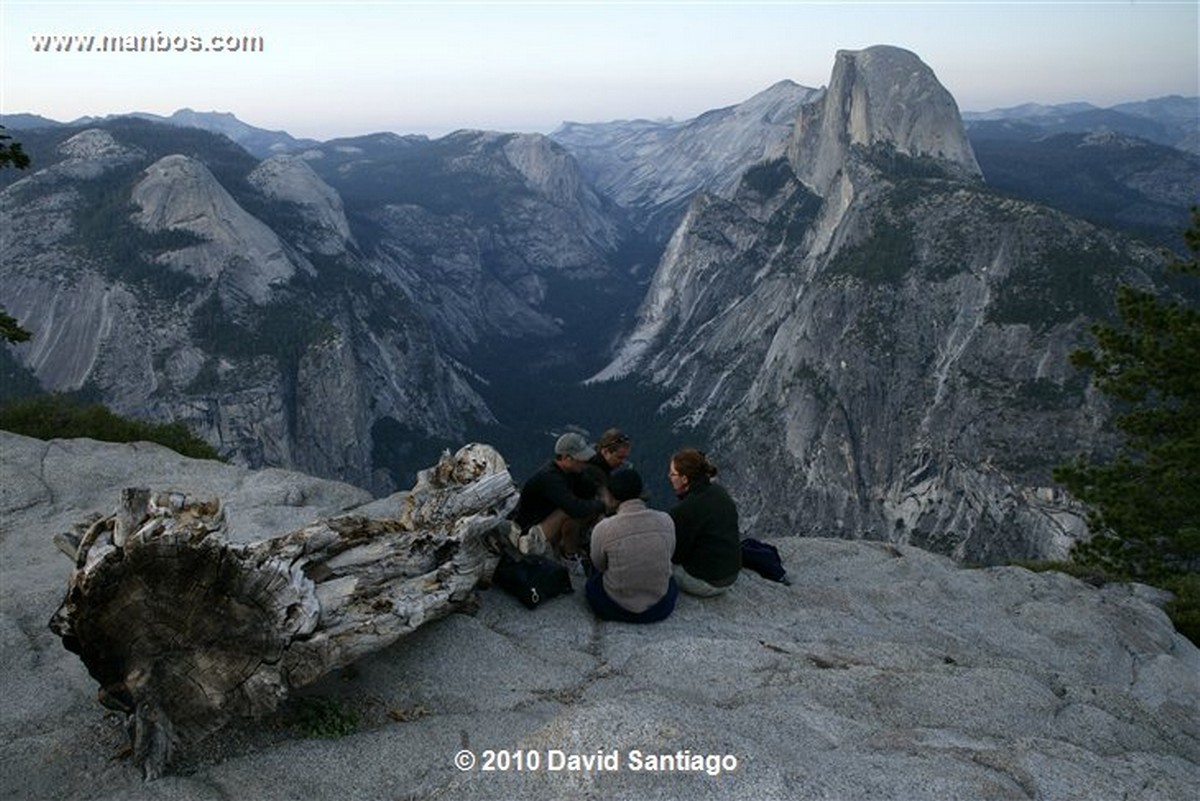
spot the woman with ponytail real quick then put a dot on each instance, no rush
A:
(708, 553)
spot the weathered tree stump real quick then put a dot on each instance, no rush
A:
(185, 631)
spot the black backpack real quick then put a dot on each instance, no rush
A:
(763, 559)
(530, 578)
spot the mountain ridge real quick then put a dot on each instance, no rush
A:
(884, 332)
(1170, 120)
(1175, 107)
(193, 308)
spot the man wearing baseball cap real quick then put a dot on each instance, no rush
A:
(558, 506)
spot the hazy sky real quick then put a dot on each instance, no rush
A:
(329, 69)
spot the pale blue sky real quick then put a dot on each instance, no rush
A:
(335, 69)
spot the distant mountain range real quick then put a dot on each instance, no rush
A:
(1114, 166)
(859, 300)
(257, 141)
(1133, 166)
(1172, 121)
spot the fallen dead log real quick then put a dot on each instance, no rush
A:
(185, 631)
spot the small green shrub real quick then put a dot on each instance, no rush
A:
(323, 717)
(768, 177)
(883, 259)
(60, 417)
(1184, 608)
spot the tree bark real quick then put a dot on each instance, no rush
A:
(185, 631)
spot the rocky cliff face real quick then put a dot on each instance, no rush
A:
(497, 238)
(881, 95)
(875, 345)
(234, 250)
(655, 167)
(146, 279)
(337, 310)
(291, 180)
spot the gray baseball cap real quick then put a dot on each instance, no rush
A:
(575, 446)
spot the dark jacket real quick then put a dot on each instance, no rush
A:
(552, 488)
(707, 542)
(600, 463)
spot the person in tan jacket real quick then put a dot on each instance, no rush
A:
(631, 558)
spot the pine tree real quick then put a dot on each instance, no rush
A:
(1145, 504)
(11, 155)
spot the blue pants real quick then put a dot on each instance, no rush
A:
(608, 609)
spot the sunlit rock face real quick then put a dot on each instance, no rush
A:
(872, 343)
(292, 180)
(223, 293)
(655, 167)
(881, 95)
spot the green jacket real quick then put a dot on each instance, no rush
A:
(707, 542)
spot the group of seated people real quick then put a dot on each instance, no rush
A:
(589, 509)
